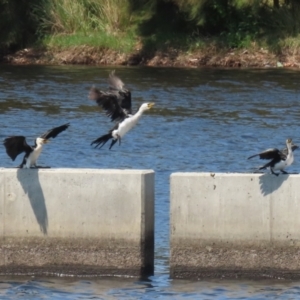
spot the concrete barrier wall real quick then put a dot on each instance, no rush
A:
(77, 221)
(235, 225)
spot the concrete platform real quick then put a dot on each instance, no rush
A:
(235, 225)
(77, 222)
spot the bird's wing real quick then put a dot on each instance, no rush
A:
(124, 96)
(52, 133)
(115, 82)
(110, 102)
(15, 145)
(268, 154)
(125, 100)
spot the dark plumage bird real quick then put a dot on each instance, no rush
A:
(279, 160)
(117, 104)
(15, 145)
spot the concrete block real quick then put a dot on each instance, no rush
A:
(234, 225)
(77, 221)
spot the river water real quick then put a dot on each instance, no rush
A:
(204, 120)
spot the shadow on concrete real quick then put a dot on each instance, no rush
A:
(29, 180)
(270, 183)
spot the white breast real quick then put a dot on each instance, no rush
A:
(33, 157)
(285, 163)
(125, 126)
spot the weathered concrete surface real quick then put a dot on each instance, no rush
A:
(77, 221)
(235, 225)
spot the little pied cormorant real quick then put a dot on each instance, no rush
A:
(15, 145)
(117, 104)
(279, 160)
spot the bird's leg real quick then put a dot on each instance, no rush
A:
(274, 172)
(119, 139)
(112, 143)
(284, 172)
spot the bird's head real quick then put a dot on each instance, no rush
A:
(147, 106)
(289, 143)
(40, 141)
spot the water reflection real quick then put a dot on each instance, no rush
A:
(64, 288)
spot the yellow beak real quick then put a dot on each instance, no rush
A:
(151, 104)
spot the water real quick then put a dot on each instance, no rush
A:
(204, 120)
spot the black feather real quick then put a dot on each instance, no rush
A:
(116, 101)
(15, 145)
(268, 154)
(102, 140)
(274, 153)
(52, 133)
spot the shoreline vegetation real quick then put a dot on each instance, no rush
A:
(179, 33)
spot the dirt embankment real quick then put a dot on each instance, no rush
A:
(84, 55)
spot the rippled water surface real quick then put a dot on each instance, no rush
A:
(204, 120)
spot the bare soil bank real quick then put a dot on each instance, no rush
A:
(85, 55)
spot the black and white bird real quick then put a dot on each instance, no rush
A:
(15, 145)
(279, 160)
(117, 104)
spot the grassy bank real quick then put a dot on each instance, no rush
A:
(168, 31)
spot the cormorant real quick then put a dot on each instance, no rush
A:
(117, 104)
(279, 160)
(15, 145)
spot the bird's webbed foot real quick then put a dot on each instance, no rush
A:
(284, 172)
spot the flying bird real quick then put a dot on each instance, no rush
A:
(15, 145)
(116, 103)
(279, 160)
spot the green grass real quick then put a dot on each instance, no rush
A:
(96, 23)
(157, 25)
(70, 16)
(124, 43)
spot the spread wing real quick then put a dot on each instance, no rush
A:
(15, 145)
(269, 154)
(115, 82)
(124, 96)
(52, 133)
(116, 101)
(274, 153)
(109, 101)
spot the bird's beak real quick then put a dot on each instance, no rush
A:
(45, 141)
(151, 104)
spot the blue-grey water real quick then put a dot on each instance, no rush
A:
(204, 120)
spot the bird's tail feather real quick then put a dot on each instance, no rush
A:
(252, 156)
(265, 166)
(102, 140)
